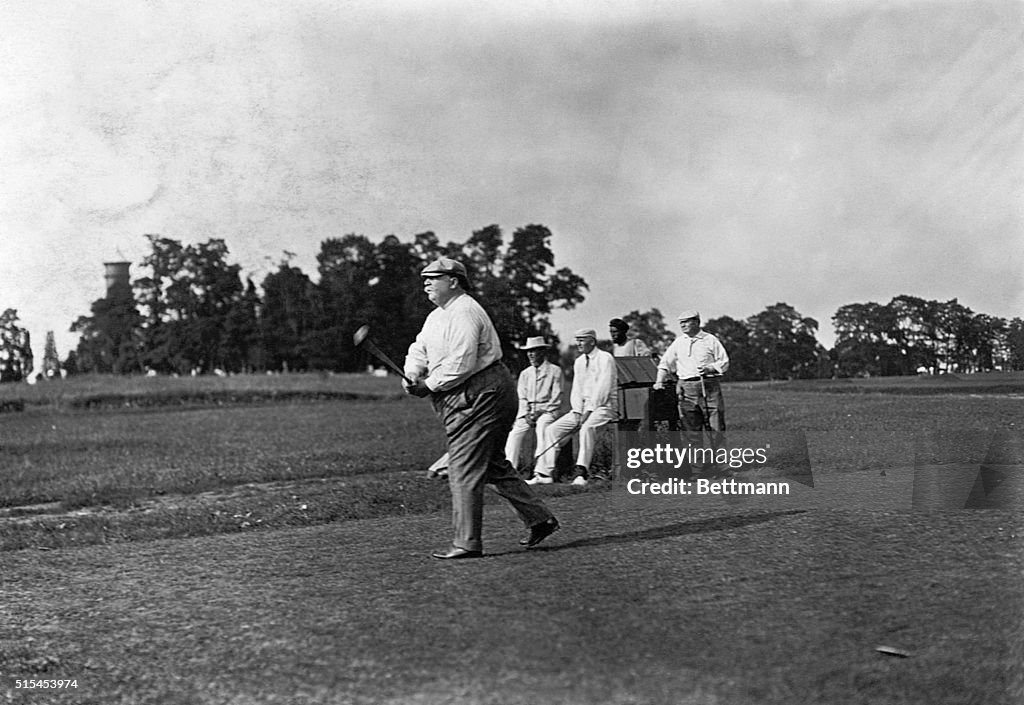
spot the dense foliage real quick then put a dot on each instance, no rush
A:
(910, 335)
(905, 337)
(192, 312)
(15, 348)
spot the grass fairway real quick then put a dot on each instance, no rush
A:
(620, 607)
(711, 601)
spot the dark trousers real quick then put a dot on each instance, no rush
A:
(477, 416)
(702, 407)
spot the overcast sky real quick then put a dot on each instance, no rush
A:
(717, 155)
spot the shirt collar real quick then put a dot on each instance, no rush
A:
(452, 300)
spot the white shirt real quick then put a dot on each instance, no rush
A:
(686, 355)
(457, 341)
(594, 382)
(634, 347)
(542, 387)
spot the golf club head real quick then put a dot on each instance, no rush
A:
(360, 335)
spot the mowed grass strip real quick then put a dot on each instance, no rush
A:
(103, 476)
(944, 384)
(86, 391)
(94, 458)
(704, 605)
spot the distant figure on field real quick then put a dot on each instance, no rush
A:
(622, 345)
(540, 396)
(594, 404)
(456, 362)
(698, 360)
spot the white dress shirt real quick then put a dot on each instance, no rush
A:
(457, 341)
(594, 382)
(634, 347)
(686, 355)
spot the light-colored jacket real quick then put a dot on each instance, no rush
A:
(540, 387)
(594, 383)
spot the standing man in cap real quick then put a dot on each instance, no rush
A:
(540, 396)
(594, 404)
(622, 345)
(698, 360)
(456, 361)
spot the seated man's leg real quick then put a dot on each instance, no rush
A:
(556, 433)
(588, 437)
(514, 444)
(543, 422)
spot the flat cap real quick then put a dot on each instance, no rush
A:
(618, 324)
(688, 314)
(444, 267)
(585, 333)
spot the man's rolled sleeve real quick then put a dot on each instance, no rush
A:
(720, 362)
(668, 360)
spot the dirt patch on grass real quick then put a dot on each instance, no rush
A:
(242, 508)
(217, 398)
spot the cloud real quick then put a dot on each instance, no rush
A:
(725, 155)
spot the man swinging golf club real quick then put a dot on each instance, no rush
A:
(698, 360)
(456, 362)
(594, 403)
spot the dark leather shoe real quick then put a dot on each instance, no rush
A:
(539, 532)
(456, 552)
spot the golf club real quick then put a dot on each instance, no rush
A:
(361, 339)
(558, 442)
(707, 409)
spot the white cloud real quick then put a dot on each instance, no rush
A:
(728, 155)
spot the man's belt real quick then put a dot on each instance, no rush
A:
(698, 379)
(490, 366)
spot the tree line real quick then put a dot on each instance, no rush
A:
(906, 336)
(192, 311)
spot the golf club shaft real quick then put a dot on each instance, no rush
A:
(369, 347)
(558, 442)
(707, 407)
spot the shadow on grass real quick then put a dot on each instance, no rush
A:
(667, 531)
